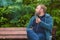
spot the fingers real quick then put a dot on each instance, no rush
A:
(38, 20)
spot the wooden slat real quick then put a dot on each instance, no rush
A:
(12, 32)
(10, 29)
(13, 37)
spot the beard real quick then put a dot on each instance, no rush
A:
(37, 14)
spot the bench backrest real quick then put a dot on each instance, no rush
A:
(17, 33)
(13, 33)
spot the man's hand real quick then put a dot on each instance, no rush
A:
(38, 20)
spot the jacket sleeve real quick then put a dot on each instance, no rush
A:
(48, 24)
(30, 22)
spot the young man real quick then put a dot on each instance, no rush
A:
(40, 25)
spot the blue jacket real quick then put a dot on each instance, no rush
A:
(48, 24)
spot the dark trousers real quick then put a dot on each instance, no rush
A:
(33, 36)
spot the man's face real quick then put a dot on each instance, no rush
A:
(38, 9)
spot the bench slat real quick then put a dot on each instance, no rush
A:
(14, 37)
(12, 32)
(12, 29)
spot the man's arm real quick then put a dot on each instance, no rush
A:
(48, 24)
(30, 22)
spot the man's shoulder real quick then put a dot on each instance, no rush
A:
(32, 18)
(48, 15)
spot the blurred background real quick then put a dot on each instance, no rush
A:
(16, 13)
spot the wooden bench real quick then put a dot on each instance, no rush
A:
(14, 33)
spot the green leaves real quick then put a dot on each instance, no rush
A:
(5, 2)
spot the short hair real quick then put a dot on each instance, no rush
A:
(43, 7)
